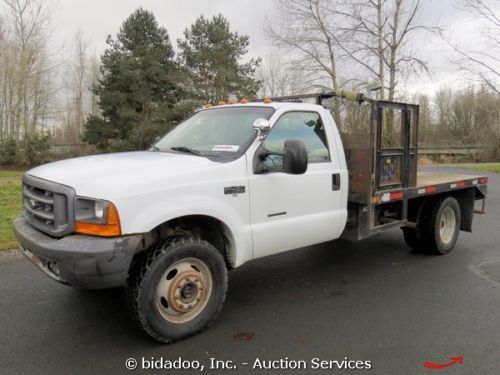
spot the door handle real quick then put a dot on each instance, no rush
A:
(336, 181)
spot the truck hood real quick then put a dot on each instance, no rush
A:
(98, 174)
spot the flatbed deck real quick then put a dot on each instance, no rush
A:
(425, 178)
(429, 183)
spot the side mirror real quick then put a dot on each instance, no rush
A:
(262, 126)
(294, 157)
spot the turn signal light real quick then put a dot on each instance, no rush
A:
(110, 229)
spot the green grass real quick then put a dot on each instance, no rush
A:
(483, 167)
(10, 205)
(10, 174)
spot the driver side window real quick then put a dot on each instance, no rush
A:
(306, 126)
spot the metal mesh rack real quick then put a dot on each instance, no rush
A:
(353, 119)
(354, 122)
(374, 164)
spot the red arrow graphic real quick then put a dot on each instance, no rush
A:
(437, 366)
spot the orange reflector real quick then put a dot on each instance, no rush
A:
(267, 100)
(208, 105)
(231, 101)
(430, 189)
(460, 184)
(244, 101)
(222, 102)
(110, 229)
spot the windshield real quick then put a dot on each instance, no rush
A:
(214, 132)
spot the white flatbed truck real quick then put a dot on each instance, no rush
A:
(233, 183)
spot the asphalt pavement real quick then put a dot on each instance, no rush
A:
(373, 301)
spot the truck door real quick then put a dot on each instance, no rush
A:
(291, 211)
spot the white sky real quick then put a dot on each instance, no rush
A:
(98, 18)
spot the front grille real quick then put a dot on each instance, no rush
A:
(48, 206)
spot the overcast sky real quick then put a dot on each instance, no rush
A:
(98, 18)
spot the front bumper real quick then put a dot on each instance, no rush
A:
(81, 261)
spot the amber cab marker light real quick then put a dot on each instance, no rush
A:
(244, 101)
(222, 102)
(110, 229)
(231, 101)
(208, 105)
(267, 100)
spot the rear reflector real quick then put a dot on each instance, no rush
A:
(387, 197)
(427, 190)
(457, 185)
(398, 195)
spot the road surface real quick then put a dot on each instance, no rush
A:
(371, 301)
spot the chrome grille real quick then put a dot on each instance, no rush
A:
(48, 206)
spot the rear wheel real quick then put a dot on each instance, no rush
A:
(443, 226)
(437, 229)
(177, 289)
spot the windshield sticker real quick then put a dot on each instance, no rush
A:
(227, 148)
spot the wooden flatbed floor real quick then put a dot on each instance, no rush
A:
(432, 178)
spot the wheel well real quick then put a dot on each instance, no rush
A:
(465, 198)
(209, 228)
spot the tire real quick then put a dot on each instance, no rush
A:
(177, 289)
(440, 226)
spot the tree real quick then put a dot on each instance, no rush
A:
(425, 120)
(279, 78)
(352, 43)
(304, 28)
(380, 40)
(482, 62)
(211, 54)
(469, 116)
(138, 88)
(77, 84)
(25, 69)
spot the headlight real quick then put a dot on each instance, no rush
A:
(96, 217)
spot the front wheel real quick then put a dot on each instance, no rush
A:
(177, 289)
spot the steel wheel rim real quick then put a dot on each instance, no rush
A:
(184, 290)
(447, 224)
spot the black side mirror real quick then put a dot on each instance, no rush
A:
(294, 157)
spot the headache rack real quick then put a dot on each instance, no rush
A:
(379, 137)
(380, 143)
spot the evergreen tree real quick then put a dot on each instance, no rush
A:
(211, 54)
(139, 86)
